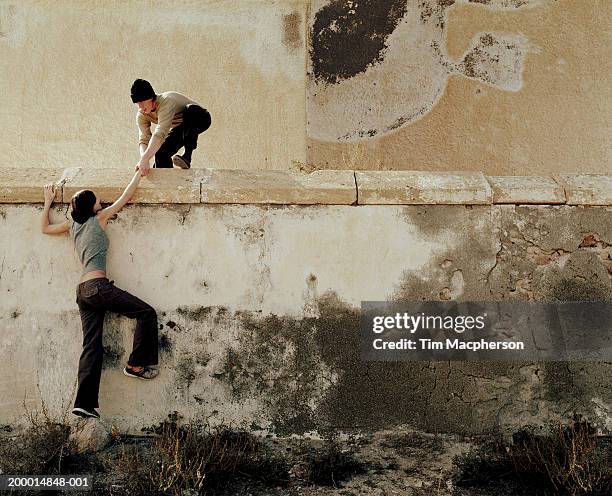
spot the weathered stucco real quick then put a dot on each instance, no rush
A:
(259, 312)
(504, 87)
(66, 69)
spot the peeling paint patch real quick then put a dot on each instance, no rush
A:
(543, 254)
(292, 36)
(373, 75)
(583, 278)
(496, 59)
(349, 36)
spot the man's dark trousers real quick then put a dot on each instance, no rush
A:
(95, 297)
(196, 120)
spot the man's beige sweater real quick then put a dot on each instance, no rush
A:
(169, 114)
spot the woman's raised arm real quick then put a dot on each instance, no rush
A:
(45, 226)
(125, 197)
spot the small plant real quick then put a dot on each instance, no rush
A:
(199, 459)
(137, 473)
(329, 465)
(565, 459)
(568, 456)
(44, 447)
(411, 443)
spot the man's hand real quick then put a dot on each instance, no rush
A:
(142, 166)
(49, 193)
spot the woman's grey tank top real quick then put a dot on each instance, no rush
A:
(91, 244)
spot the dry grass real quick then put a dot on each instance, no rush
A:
(567, 457)
(563, 459)
(197, 459)
(328, 465)
(44, 447)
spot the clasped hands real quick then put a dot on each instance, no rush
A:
(142, 166)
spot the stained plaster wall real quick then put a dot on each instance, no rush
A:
(66, 69)
(503, 86)
(259, 310)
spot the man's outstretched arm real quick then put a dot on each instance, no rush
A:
(147, 152)
(144, 143)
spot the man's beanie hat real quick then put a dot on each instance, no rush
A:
(141, 91)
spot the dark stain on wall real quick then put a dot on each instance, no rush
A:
(292, 36)
(165, 344)
(196, 312)
(112, 342)
(527, 266)
(308, 374)
(111, 357)
(347, 37)
(435, 11)
(367, 394)
(185, 370)
(276, 361)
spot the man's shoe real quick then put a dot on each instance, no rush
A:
(145, 373)
(85, 412)
(181, 162)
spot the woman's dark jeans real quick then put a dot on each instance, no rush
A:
(95, 297)
(196, 120)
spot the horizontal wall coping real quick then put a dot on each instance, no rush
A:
(336, 187)
(332, 187)
(418, 187)
(526, 189)
(586, 189)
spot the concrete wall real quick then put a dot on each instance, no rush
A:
(507, 87)
(66, 69)
(502, 86)
(259, 303)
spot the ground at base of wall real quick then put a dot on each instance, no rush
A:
(400, 461)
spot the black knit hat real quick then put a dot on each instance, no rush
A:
(141, 91)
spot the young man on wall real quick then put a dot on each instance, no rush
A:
(178, 122)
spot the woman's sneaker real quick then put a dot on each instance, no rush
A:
(145, 373)
(85, 412)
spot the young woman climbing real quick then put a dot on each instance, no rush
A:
(95, 294)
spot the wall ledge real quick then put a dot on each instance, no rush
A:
(331, 187)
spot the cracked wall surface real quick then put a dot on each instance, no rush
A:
(259, 313)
